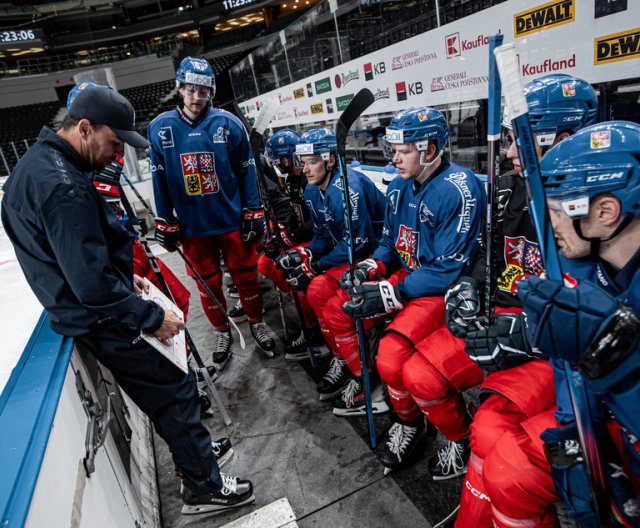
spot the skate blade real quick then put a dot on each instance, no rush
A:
(196, 509)
(387, 470)
(268, 353)
(377, 408)
(451, 476)
(225, 458)
(206, 414)
(449, 519)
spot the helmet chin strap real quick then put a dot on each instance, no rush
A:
(594, 251)
(429, 164)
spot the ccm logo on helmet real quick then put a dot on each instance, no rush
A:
(394, 136)
(605, 177)
(305, 148)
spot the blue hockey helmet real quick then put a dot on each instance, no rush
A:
(282, 145)
(602, 158)
(419, 126)
(558, 103)
(193, 70)
(73, 93)
(319, 141)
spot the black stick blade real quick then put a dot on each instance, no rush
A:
(360, 102)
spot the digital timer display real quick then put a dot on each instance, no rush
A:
(20, 35)
(235, 4)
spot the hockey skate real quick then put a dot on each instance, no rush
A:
(352, 400)
(264, 338)
(296, 348)
(334, 381)
(222, 450)
(205, 405)
(450, 461)
(234, 493)
(237, 313)
(221, 348)
(404, 442)
(232, 291)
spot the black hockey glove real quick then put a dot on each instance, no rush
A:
(372, 299)
(366, 271)
(300, 277)
(167, 235)
(252, 226)
(291, 259)
(271, 244)
(462, 303)
(501, 345)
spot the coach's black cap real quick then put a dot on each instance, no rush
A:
(103, 106)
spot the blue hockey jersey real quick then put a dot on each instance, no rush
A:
(431, 230)
(203, 173)
(620, 389)
(330, 239)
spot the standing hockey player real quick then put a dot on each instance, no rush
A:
(77, 258)
(434, 213)
(592, 182)
(318, 267)
(204, 183)
(296, 229)
(517, 387)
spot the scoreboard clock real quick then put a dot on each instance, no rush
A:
(231, 5)
(20, 38)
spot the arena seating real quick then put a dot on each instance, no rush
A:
(20, 128)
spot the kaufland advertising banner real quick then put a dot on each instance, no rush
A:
(450, 64)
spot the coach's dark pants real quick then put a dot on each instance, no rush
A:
(164, 393)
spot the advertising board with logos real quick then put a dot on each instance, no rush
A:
(449, 64)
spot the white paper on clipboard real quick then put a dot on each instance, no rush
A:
(173, 349)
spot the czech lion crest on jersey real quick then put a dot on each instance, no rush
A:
(523, 259)
(407, 246)
(199, 172)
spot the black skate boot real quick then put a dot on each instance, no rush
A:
(263, 337)
(296, 348)
(232, 291)
(211, 369)
(234, 493)
(451, 460)
(221, 348)
(403, 443)
(332, 383)
(205, 405)
(222, 450)
(237, 313)
(352, 400)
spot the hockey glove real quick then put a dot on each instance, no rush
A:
(300, 277)
(501, 345)
(462, 303)
(271, 244)
(365, 271)
(292, 259)
(167, 235)
(372, 299)
(252, 226)
(564, 321)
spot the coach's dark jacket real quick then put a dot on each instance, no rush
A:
(74, 252)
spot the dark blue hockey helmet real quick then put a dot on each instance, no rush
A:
(282, 145)
(602, 158)
(319, 141)
(558, 103)
(418, 126)
(73, 93)
(198, 72)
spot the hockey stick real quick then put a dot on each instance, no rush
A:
(493, 170)
(165, 288)
(360, 102)
(519, 112)
(255, 139)
(197, 276)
